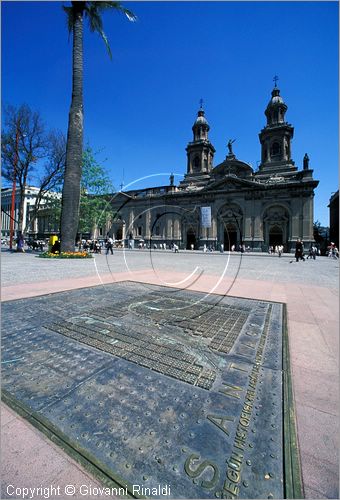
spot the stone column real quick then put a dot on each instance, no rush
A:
(295, 227)
(213, 229)
(203, 235)
(147, 223)
(168, 227)
(177, 231)
(247, 220)
(307, 232)
(257, 236)
(130, 228)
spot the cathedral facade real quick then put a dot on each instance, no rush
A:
(228, 204)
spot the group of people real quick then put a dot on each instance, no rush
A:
(240, 248)
(277, 249)
(36, 244)
(90, 246)
(96, 246)
(155, 246)
(313, 252)
(333, 251)
(31, 244)
(300, 251)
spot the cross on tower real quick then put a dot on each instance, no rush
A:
(201, 103)
(275, 79)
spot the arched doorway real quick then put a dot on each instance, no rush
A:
(230, 220)
(119, 233)
(276, 227)
(230, 237)
(191, 239)
(275, 236)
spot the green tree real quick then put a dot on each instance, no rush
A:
(95, 194)
(321, 236)
(74, 150)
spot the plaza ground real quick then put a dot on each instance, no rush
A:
(310, 290)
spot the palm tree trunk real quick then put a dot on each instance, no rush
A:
(74, 148)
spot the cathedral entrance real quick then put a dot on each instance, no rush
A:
(191, 239)
(119, 234)
(275, 236)
(230, 217)
(276, 226)
(230, 237)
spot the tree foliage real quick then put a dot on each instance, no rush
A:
(95, 195)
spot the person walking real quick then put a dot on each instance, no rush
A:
(299, 250)
(315, 251)
(109, 245)
(312, 252)
(20, 243)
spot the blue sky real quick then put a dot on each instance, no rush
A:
(140, 107)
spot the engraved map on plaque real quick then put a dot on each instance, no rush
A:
(160, 387)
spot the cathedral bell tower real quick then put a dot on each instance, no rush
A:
(276, 137)
(200, 151)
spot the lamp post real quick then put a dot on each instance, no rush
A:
(15, 163)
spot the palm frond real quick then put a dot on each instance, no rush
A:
(96, 24)
(106, 41)
(70, 17)
(94, 18)
(93, 12)
(101, 6)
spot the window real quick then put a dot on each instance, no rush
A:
(196, 162)
(276, 149)
(139, 231)
(158, 232)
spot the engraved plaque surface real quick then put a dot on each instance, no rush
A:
(163, 388)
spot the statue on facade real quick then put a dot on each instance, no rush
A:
(172, 178)
(229, 145)
(306, 162)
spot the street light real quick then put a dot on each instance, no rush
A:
(11, 226)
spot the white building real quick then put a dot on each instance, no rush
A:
(31, 194)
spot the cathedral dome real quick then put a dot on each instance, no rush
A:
(276, 109)
(276, 98)
(201, 120)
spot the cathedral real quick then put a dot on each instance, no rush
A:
(227, 205)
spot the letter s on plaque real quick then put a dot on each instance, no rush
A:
(200, 468)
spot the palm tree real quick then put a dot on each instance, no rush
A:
(74, 150)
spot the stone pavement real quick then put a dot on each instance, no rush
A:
(310, 290)
(30, 460)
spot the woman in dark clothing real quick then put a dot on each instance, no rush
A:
(299, 251)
